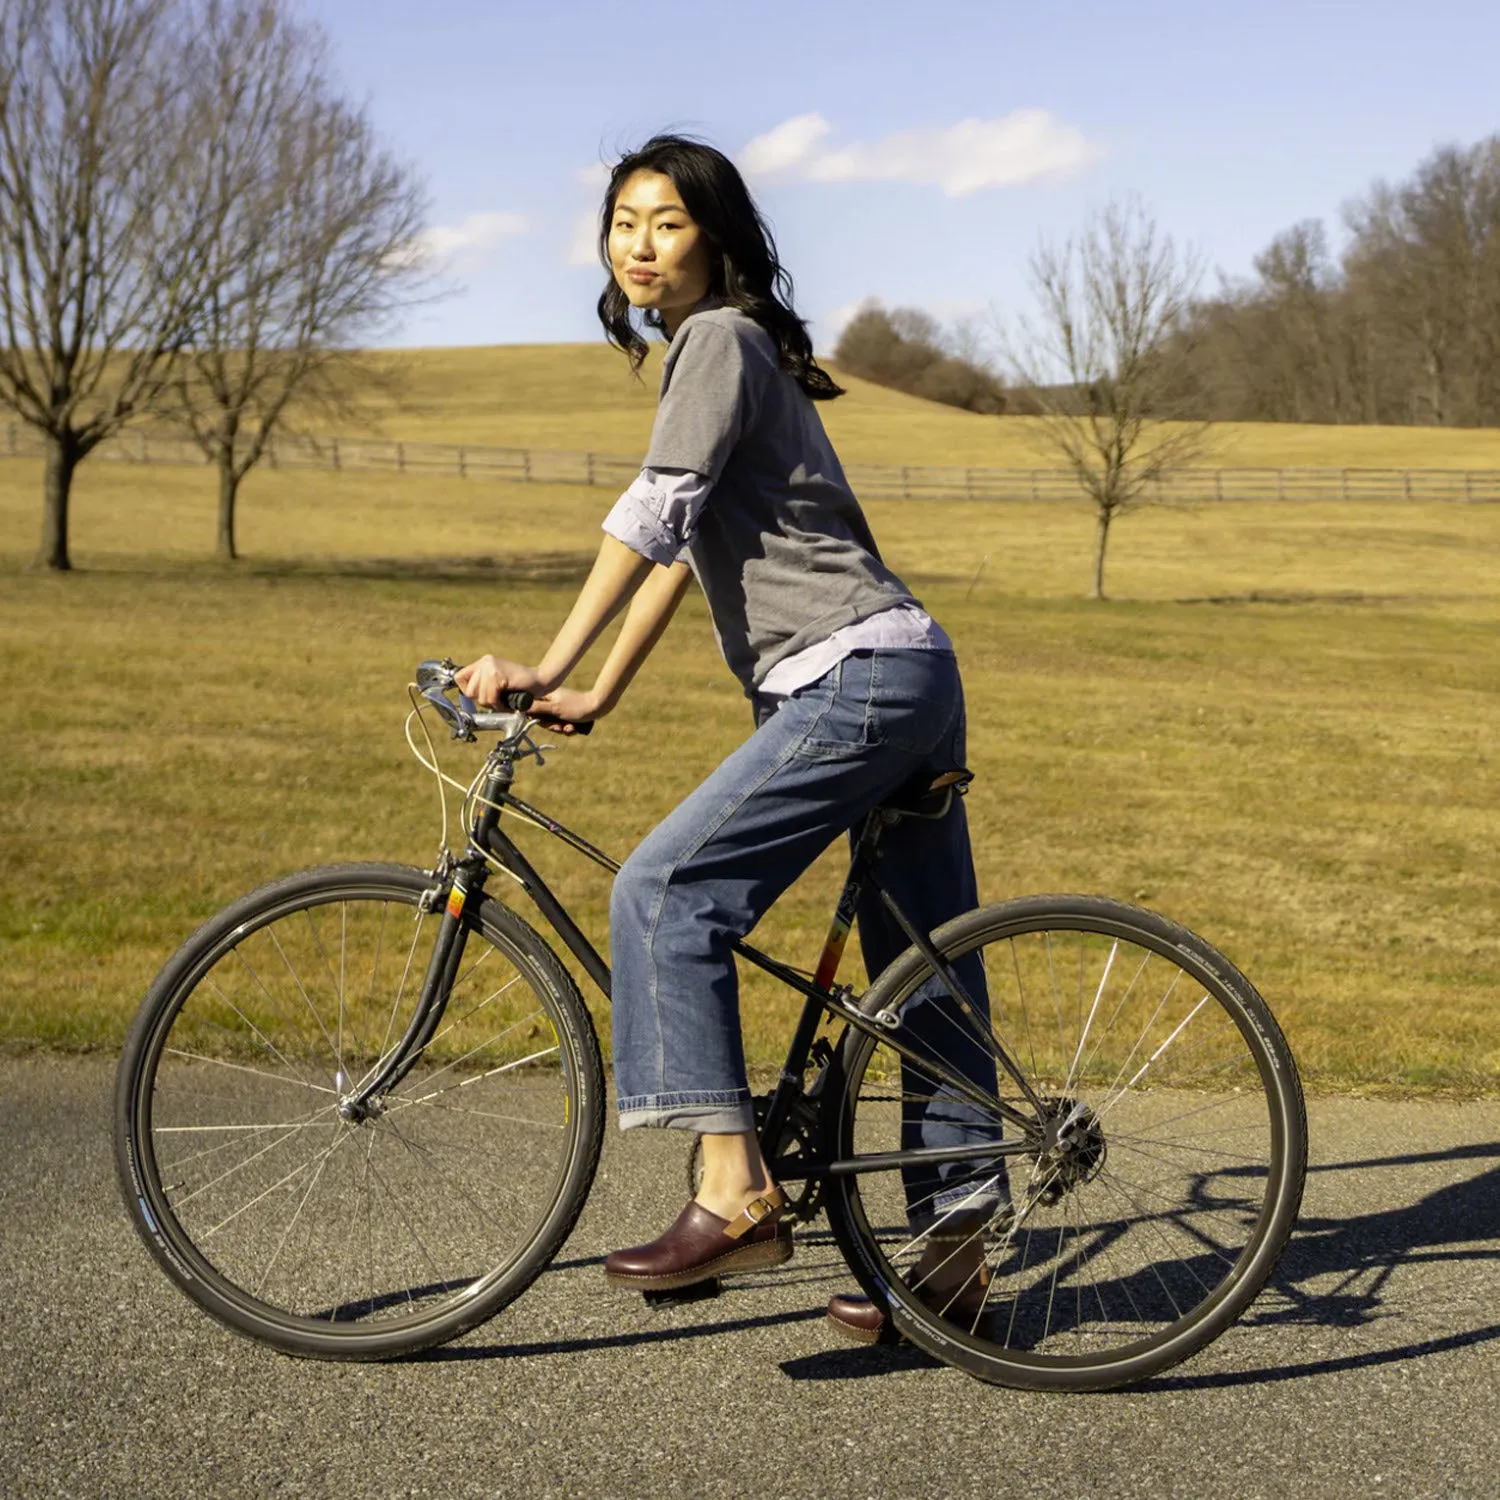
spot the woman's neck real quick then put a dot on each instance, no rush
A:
(671, 322)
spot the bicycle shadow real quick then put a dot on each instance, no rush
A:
(1364, 1253)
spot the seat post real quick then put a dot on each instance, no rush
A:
(867, 844)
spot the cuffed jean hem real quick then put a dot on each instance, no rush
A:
(985, 1198)
(719, 1112)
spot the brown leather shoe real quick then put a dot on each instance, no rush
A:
(701, 1245)
(857, 1319)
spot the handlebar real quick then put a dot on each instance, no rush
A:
(465, 719)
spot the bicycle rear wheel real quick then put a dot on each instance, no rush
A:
(366, 1237)
(1146, 1197)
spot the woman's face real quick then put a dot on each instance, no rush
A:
(660, 257)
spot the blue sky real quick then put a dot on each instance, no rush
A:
(912, 152)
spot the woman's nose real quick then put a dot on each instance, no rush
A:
(641, 247)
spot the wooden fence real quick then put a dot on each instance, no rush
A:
(878, 481)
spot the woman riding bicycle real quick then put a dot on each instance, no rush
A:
(855, 691)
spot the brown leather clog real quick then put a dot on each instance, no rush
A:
(857, 1318)
(701, 1245)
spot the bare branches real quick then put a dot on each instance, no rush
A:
(186, 205)
(309, 244)
(1402, 326)
(1093, 360)
(90, 174)
(1424, 267)
(97, 224)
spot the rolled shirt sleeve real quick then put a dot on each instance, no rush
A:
(656, 514)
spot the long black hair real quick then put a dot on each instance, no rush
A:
(744, 271)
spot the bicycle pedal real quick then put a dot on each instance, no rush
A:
(699, 1291)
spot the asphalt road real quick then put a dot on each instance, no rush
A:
(1370, 1368)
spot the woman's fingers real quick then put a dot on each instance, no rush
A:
(564, 707)
(486, 679)
(482, 681)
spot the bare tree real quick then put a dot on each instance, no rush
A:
(311, 245)
(1096, 360)
(98, 225)
(1425, 258)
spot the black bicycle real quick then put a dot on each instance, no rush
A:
(360, 1109)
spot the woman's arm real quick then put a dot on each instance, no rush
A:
(616, 575)
(650, 613)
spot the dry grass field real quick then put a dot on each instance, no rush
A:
(1281, 732)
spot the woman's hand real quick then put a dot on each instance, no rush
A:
(563, 709)
(484, 680)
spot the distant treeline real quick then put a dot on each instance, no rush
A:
(1402, 325)
(910, 351)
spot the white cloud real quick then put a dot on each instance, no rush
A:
(470, 240)
(791, 145)
(1023, 146)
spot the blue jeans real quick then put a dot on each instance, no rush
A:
(816, 764)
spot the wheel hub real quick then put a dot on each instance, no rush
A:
(351, 1108)
(1073, 1149)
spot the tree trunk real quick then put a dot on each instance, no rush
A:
(57, 488)
(1101, 540)
(229, 485)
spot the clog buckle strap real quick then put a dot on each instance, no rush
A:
(756, 1212)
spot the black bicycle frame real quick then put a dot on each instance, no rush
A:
(820, 994)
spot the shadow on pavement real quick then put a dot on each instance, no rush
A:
(1363, 1253)
(612, 1340)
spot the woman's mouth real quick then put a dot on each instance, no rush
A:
(641, 278)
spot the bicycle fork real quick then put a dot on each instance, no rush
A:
(466, 889)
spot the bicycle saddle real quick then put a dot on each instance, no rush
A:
(926, 795)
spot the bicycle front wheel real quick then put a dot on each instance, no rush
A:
(355, 1233)
(1149, 1145)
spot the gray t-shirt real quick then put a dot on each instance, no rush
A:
(781, 547)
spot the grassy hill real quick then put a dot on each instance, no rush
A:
(581, 396)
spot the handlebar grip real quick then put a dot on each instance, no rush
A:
(517, 699)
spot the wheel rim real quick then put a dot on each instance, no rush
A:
(1152, 1196)
(306, 1213)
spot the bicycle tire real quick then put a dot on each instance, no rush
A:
(1157, 1212)
(371, 1238)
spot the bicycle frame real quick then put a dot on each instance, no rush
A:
(488, 844)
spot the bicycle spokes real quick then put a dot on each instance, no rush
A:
(1155, 1169)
